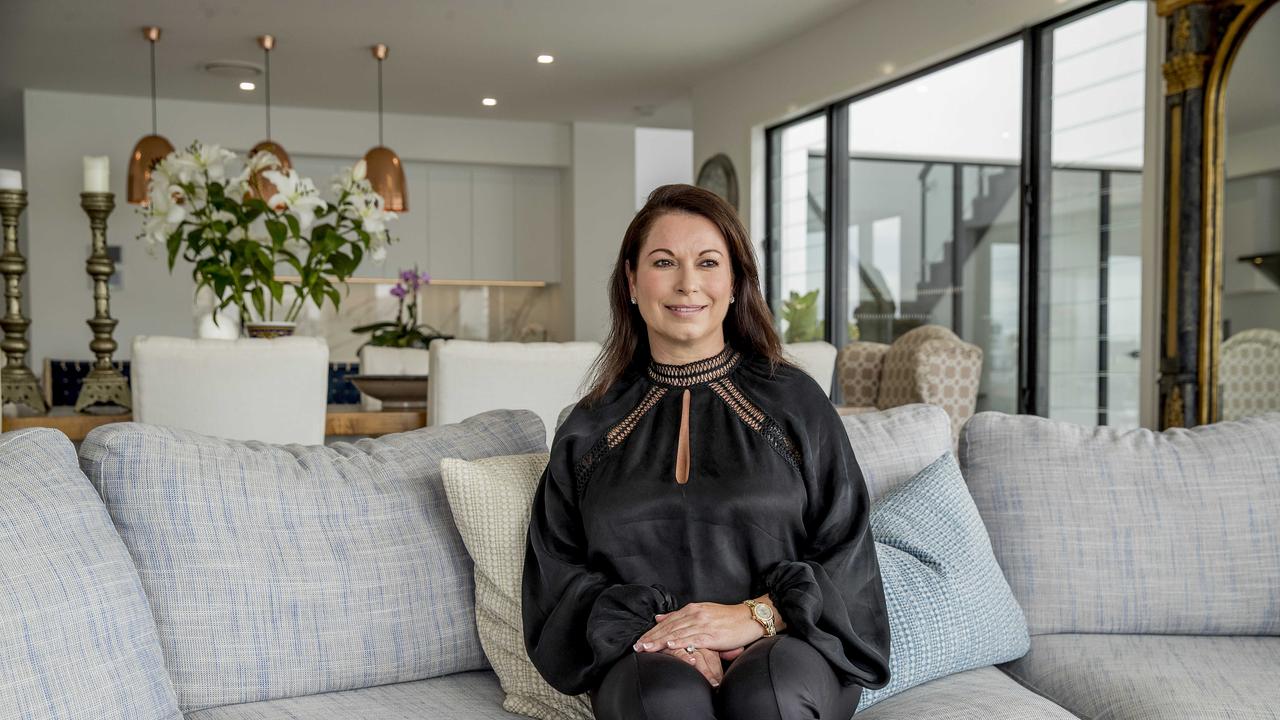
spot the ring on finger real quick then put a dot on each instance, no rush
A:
(689, 649)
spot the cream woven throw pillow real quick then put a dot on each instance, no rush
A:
(490, 499)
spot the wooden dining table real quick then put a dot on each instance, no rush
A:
(338, 420)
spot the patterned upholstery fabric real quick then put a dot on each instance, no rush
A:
(461, 696)
(950, 608)
(490, 499)
(280, 571)
(893, 445)
(1250, 373)
(858, 367)
(1155, 677)
(1101, 530)
(76, 635)
(931, 365)
(982, 694)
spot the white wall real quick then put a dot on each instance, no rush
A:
(60, 128)
(663, 157)
(1253, 152)
(603, 192)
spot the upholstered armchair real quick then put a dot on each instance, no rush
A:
(926, 365)
(1250, 373)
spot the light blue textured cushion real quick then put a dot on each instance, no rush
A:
(1102, 530)
(76, 635)
(950, 608)
(282, 571)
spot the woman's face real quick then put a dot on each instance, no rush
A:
(682, 283)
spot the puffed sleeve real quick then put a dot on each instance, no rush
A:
(577, 622)
(832, 596)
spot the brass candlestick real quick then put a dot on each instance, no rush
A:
(20, 384)
(104, 385)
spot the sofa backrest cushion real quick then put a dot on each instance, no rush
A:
(76, 635)
(893, 445)
(1101, 530)
(279, 571)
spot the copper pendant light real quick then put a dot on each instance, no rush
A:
(263, 187)
(152, 148)
(382, 165)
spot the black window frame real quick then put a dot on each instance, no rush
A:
(1036, 170)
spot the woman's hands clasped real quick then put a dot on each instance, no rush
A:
(717, 632)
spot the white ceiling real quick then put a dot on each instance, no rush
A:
(612, 56)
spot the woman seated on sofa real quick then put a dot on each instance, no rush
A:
(699, 543)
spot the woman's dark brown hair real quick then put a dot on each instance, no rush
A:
(747, 327)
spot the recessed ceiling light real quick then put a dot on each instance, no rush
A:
(246, 85)
(887, 68)
(489, 102)
(546, 59)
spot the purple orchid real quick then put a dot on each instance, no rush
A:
(399, 291)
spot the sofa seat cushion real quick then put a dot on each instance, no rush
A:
(462, 696)
(981, 694)
(279, 571)
(76, 635)
(1155, 677)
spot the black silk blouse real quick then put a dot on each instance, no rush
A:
(757, 490)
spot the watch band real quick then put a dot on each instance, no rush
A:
(769, 629)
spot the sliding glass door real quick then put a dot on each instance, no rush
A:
(998, 195)
(933, 212)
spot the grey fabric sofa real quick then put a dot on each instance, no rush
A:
(161, 574)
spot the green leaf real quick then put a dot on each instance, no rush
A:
(293, 225)
(259, 302)
(278, 233)
(173, 244)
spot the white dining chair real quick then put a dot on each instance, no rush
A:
(275, 391)
(816, 358)
(470, 377)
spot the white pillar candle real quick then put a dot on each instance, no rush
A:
(10, 180)
(96, 174)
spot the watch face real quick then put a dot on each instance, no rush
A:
(763, 612)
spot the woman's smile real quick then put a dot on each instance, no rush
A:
(684, 311)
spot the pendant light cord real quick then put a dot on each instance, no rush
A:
(266, 55)
(153, 88)
(379, 101)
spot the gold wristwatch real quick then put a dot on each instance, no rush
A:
(762, 614)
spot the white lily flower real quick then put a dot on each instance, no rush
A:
(378, 248)
(368, 209)
(295, 194)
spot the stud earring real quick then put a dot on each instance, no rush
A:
(633, 299)
(730, 298)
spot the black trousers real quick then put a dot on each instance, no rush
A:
(776, 678)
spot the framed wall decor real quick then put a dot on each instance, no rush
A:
(718, 176)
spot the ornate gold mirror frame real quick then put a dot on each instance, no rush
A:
(1203, 39)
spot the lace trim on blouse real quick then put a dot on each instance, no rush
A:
(714, 371)
(694, 373)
